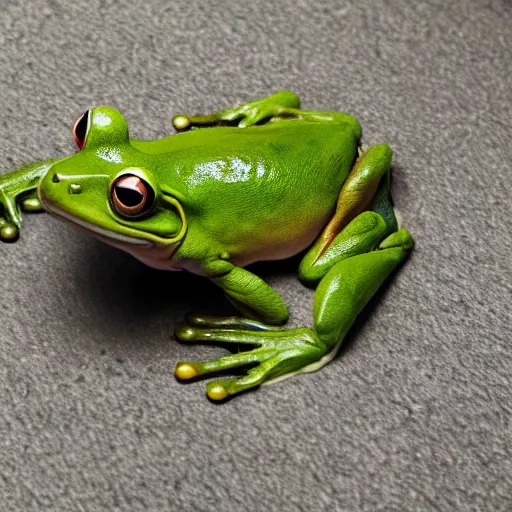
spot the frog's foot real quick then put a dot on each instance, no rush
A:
(247, 114)
(254, 112)
(278, 352)
(18, 191)
(10, 216)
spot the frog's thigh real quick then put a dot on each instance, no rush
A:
(359, 188)
(250, 294)
(356, 194)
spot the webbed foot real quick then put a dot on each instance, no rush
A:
(277, 352)
(247, 114)
(18, 191)
(10, 216)
(253, 112)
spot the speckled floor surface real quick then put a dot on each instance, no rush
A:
(414, 415)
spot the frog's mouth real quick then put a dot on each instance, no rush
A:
(106, 235)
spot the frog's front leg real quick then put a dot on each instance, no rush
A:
(248, 113)
(19, 189)
(250, 294)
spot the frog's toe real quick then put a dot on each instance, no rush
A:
(277, 364)
(223, 388)
(217, 391)
(186, 370)
(31, 204)
(231, 115)
(254, 116)
(9, 210)
(181, 122)
(249, 114)
(277, 355)
(228, 322)
(189, 333)
(8, 232)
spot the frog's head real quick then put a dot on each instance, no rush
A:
(110, 189)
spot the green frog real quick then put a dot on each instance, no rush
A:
(263, 181)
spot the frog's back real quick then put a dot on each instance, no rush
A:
(291, 150)
(272, 185)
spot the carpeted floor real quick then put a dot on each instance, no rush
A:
(415, 413)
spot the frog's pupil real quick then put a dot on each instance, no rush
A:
(81, 128)
(129, 197)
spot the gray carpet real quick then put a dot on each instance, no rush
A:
(415, 413)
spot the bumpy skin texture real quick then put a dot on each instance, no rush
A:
(258, 182)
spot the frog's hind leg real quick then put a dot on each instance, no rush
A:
(278, 352)
(248, 113)
(279, 106)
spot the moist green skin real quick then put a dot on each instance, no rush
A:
(227, 196)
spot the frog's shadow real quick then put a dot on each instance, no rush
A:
(122, 286)
(126, 288)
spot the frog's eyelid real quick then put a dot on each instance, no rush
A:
(172, 192)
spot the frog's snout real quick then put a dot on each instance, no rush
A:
(74, 188)
(57, 188)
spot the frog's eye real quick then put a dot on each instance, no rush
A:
(132, 196)
(80, 129)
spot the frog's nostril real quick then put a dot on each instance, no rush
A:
(55, 178)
